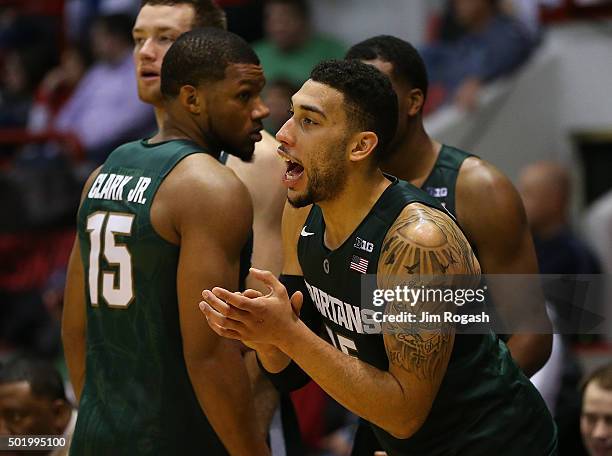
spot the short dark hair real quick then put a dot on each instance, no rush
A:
(602, 376)
(43, 378)
(202, 55)
(117, 25)
(301, 6)
(408, 66)
(368, 94)
(207, 12)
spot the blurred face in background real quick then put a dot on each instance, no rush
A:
(24, 413)
(156, 28)
(278, 98)
(285, 26)
(596, 420)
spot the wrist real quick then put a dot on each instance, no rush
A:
(292, 338)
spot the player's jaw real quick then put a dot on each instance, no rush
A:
(148, 82)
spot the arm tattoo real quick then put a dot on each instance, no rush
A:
(423, 248)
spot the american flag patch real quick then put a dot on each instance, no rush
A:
(359, 264)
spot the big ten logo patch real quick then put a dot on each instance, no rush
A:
(364, 245)
(438, 192)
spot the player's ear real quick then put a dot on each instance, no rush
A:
(416, 100)
(191, 99)
(363, 145)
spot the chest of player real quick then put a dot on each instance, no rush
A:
(339, 283)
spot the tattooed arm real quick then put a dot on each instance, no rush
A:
(422, 241)
(424, 247)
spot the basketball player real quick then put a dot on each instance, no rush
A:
(423, 390)
(158, 24)
(161, 22)
(153, 226)
(465, 184)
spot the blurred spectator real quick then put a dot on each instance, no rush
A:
(33, 401)
(23, 69)
(104, 110)
(596, 416)
(546, 188)
(487, 44)
(598, 229)
(57, 86)
(290, 49)
(277, 96)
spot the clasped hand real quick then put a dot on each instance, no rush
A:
(250, 316)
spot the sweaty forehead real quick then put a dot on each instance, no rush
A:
(159, 17)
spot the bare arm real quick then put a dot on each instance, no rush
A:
(397, 400)
(211, 238)
(74, 314)
(262, 178)
(492, 214)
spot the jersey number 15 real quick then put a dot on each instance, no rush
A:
(102, 228)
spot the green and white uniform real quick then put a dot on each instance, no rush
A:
(137, 397)
(485, 404)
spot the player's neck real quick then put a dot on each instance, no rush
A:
(344, 213)
(159, 117)
(175, 128)
(413, 157)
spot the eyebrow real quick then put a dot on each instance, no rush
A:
(156, 28)
(312, 109)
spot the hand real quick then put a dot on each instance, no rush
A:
(250, 316)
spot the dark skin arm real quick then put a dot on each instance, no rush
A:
(74, 318)
(491, 212)
(211, 238)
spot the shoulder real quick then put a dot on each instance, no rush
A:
(89, 182)
(423, 226)
(424, 240)
(483, 192)
(199, 182)
(480, 182)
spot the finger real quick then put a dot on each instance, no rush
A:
(252, 294)
(238, 301)
(269, 279)
(218, 319)
(380, 453)
(223, 332)
(223, 307)
(297, 299)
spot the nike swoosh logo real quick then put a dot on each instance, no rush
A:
(305, 233)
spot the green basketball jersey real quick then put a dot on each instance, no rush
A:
(137, 397)
(442, 180)
(485, 404)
